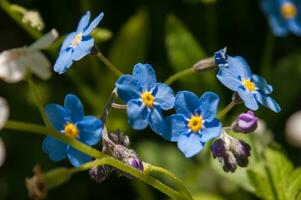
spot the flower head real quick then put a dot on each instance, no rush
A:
(77, 44)
(245, 123)
(195, 122)
(2, 152)
(284, 16)
(70, 120)
(251, 88)
(15, 63)
(145, 98)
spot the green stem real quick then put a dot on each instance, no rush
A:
(267, 54)
(33, 128)
(112, 67)
(38, 101)
(226, 109)
(6, 6)
(179, 183)
(178, 75)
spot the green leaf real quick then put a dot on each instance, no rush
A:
(130, 44)
(207, 196)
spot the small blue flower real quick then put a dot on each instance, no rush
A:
(77, 44)
(284, 16)
(145, 98)
(195, 122)
(251, 88)
(70, 120)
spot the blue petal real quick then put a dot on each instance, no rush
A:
(137, 114)
(262, 84)
(83, 48)
(63, 62)
(156, 121)
(190, 144)
(238, 65)
(90, 129)
(128, 88)
(67, 41)
(74, 108)
(83, 23)
(56, 115)
(212, 130)
(94, 23)
(55, 149)
(164, 96)
(278, 26)
(228, 78)
(268, 102)
(209, 102)
(145, 74)
(294, 26)
(77, 158)
(186, 103)
(248, 98)
(175, 125)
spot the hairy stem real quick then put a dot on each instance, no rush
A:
(226, 109)
(178, 75)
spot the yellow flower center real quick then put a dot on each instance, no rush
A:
(195, 123)
(148, 99)
(76, 40)
(249, 85)
(288, 10)
(71, 130)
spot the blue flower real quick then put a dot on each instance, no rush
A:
(70, 120)
(284, 16)
(145, 98)
(251, 88)
(195, 122)
(77, 44)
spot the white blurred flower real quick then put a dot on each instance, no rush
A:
(293, 129)
(4, 111)
(15, 63)
(2, 152)
(34, 19)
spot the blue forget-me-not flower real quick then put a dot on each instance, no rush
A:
(195, 122)
(145, 98)
(284, 16)
(77, 44)
(236, 74)
(70, 120)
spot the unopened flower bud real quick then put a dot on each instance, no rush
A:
(36, 185)
(245, 123)
(136, 163)
(100, 174)
(204, 65)
(119, 138)
(34, 19)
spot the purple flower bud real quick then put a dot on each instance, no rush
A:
(218, 148)
(136, 163)
(99, 174)
(245, 123)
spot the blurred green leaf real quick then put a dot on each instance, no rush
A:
(101, 35)
(207, 196)
(130, 44)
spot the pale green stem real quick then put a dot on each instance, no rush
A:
(178, 75)
(226, 109)
(38, 101)
(112, 67)
(6, 6)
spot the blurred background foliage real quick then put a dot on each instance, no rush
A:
(171, 35)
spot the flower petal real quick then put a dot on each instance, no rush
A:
(39, 64)
(128, 88)
(83, 23)
(268, 102)
(262, 84)
(212, 130)
(63, 62)
(190, 144)
(74, 108)
(55, 149)
(175, 125)
(186, 103)
(137, 114)
(228, 78)
(294, 26)
(239, 65)
(76, 157)
(4, 112)
(156, 121)
(209, 102)
(56, 115)
(90, 129)
(67, 41)
(164, 96)
(146, 75)
(83, 48)
(45, 41)
(93, 24)
(248, 98)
